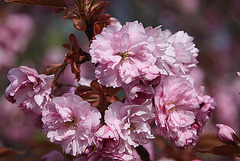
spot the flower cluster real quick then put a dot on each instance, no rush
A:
(136, 58)
(153, 69)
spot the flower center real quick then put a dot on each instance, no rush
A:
(124, 55)
(172, 109)
(172, 106)
(72, 123)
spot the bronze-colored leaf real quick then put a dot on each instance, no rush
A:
(113, 91)
(97, 87)
(7, 152)
(52, 3)
(80, 24)
(229, 150)
(92, 97)
(104, 17)
(98, 26)
(99, 7)
(81, 89)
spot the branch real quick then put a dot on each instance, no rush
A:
(143, 153)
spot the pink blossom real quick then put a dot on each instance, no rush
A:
(131, 121)
(176, 53)
(207, 105)
(121, 54)
(110, 145)
(184, 48)
(225, 133)
(181, 111)
(138, 92)
(238, 73)
(53, 156)
(28, 88)
(71, 122)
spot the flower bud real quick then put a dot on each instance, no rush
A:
(225, 133)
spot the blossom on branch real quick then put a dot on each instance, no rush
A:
(176, 53)
(28, 89)
(121, 54)
(110, 145)
(71, 122)
(131, 122)
(226, 133)
(181, 111)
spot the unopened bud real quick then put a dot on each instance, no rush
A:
(225, 133)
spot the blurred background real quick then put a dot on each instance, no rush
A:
(33, 36)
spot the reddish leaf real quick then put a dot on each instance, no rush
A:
(113, 91)
(82, 89)
(92, 97)
(104, 17)
(70, 13)
(98, 26)
(80, 24)
(52, 3)
(229, 150)
(99, 8)
(7, 152)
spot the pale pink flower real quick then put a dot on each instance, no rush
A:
(138, 92)
(238, 73)
(71, 122)
(207, 105)
(181, 111)
(110, 145)
(176, 53)
(121, 54)
(53, 156)
(198, 76)
(158, 44)
(28, 89)
(185, 52)
(225, 133)
(131, 121)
